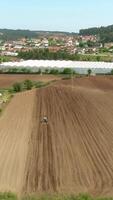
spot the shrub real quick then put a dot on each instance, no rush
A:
(17, 87)
(89, 72)
(6, 96)
(28, 84)
(68, 71)
(54, 71)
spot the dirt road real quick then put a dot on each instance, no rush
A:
(15, 126)
(73, 153)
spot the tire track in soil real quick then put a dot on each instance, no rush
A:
(75, 155)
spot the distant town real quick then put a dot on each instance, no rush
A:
(74, 44)
(85, 43)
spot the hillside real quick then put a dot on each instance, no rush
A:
(73, 152)
(105, 33)
(10, 34)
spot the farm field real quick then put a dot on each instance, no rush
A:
(14, 138)
(7, 80)
(71, 154)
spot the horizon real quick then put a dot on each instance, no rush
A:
(20, 29)
(61, 16)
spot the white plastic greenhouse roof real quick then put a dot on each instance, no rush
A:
(59, 64)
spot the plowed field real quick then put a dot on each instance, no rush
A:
(7, 80)
(73, 153)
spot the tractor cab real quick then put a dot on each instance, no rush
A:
(44, 120)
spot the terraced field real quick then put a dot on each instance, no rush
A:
(73, 153)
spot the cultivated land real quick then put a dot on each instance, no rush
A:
(7, 80)
(73, 153)
(15, 130)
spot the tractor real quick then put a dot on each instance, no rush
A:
(44, 120)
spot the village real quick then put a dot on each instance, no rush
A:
(77, 44)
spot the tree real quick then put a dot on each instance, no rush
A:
(89, 72)
(54, 71)
(46, 71)
(67, 71)
(90, 43)
(98, 58)
(17, 87)
(28, 84)
(81, 44)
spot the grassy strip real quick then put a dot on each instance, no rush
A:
(64, 197)
(8, 196)
(8, 93)
(11, 196)
(23, 86)
(4, 99)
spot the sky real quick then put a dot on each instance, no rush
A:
(55, 15)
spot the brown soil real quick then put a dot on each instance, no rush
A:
(15, 128)
(73, 153)
(7, 80)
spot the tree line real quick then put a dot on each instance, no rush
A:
(105, 34)
(25, 70)
(45, 54)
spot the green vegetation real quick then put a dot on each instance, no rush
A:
(89, 72)
(6, 96)
(10, 34)
(105, 34)
(27, 85)
(68, 71)
(45, 54)
(103, 50)
(47, 71)
(61, 197)
(4, 59)
(8, 196)
(54, 71)
(11, 196)
(16, 70)
(17, 87)
(40, 84)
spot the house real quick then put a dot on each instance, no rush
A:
(108, 45)
(54, 48)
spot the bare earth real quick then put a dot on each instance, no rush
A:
(7, 80)
(15, 126)
(73, 153)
